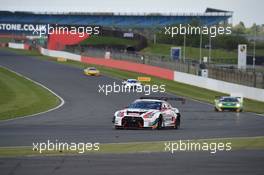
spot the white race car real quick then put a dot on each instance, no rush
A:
(132, 83)
(148, 112)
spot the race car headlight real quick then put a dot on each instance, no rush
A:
(238, 105)
(220, 104)
(120, 114)
(149, 115)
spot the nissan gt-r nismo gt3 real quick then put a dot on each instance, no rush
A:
(132, 83)
(148, 112)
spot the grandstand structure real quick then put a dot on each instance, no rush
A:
(142, 25)
(116, 20)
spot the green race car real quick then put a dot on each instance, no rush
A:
(229, 103)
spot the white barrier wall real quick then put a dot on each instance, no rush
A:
(60, 54)
(16, 45)
(220, 86)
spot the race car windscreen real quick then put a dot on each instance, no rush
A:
(229, 100)
(146, 105)
(132, 81)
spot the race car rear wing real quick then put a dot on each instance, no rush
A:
(239, 96)
(165, 98)
(240, 99)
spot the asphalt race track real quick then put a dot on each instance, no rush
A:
(86, 117)
(87, 114)
(236, 163)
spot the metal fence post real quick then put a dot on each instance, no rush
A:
(254, 79)
(263, 80)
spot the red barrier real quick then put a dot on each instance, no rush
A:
(129, 66)
(26, 46)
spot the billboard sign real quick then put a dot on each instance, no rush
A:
(176, 53)
(242, 56)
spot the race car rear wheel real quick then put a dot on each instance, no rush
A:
(159, 124)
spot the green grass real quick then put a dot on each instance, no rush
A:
(247, 143)
(107, 40)
(20, 97)
(191, 52)
(239, 143)
(176, 88)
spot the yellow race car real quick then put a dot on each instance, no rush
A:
(91, 71)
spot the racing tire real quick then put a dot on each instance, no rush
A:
(118, 127)
(178, 122)
(159, 124)
(239, 110)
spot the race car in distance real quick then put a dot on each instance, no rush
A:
(229, 103)
(132, 83)
(91, 71)
(149, 112)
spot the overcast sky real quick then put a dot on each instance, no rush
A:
(248, 11)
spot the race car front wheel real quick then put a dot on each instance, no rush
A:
(178, 122)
